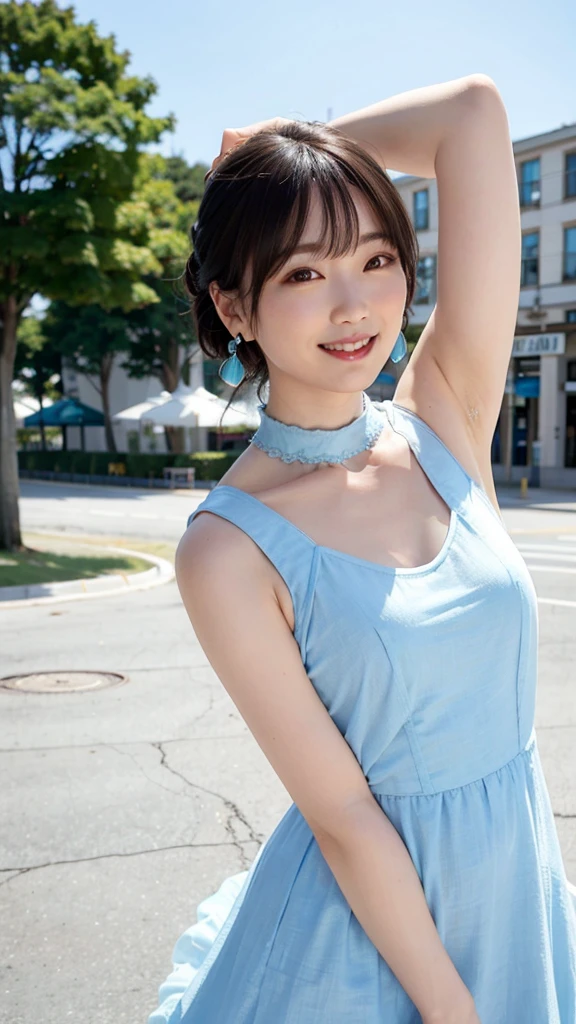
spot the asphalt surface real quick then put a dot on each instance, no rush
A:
(123, 807)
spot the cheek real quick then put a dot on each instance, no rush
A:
(292, 306)
(392, 288)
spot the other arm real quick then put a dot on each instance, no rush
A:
(458, 132)
(227, 590)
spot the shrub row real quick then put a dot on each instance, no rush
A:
(208, 465)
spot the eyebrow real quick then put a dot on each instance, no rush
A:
(371, 236)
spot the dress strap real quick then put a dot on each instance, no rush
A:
(291, 552)
(453, 483)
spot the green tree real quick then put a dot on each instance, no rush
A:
(188, 180)
(89, 338)
(72, 125)
(151, 337)
(37, 366)
(162, 335)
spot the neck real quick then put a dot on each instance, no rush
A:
(313, 409)
(292, 442)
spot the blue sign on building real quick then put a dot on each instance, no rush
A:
(528, 387)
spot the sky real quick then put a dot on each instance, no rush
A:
(222, 64)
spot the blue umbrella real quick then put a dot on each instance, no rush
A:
(67, 412)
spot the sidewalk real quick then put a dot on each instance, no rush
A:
(509, 496)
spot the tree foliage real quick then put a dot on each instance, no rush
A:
(146, 341)
(72, 124)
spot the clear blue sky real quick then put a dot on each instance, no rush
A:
(227, 64)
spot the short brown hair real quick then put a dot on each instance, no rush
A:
(253, 212)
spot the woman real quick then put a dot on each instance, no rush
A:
(353, 585)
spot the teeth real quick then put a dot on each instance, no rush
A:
(349, 347)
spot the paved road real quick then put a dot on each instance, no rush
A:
(125, 806)
(106, 511)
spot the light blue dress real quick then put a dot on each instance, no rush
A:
(430, 675)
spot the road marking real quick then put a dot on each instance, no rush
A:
(550, 568)
(557, 600)
(560, 548)
(541, 554)
(543, 529)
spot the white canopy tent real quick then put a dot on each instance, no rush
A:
(200, 409)
(136, 412)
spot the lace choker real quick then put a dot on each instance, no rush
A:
(302, 444)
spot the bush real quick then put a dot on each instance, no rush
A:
(208, 465)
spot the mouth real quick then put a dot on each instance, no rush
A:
(351, 353)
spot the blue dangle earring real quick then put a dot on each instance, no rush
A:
(399, 350)
(231, 370)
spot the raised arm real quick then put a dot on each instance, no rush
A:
(228, 591)
(458, 132)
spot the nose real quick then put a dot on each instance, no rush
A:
(349, 304)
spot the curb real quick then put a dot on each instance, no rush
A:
(161, 572)
(207, 486)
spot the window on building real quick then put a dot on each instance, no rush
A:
(569, 254)
(570, 176)
(421, 209)
(530, 182)
(530, 243)
(426, 281)
(571, 316)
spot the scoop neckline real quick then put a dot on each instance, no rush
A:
(415, 570)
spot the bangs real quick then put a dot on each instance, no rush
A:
(255, 210)
(282, 217)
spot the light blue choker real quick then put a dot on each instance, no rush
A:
(302, 444)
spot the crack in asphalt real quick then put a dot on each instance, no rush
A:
(126, 743)
(234, 811)
(107, 856)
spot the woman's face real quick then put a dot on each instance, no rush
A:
(311, 302)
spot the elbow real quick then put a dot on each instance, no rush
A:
(482, 100)
(347, 824)
(481, 88)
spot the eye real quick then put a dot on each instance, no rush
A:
(385, 256)
(307, 270)
(304, 270)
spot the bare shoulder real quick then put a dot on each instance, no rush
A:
(215, 546)
(424, 390)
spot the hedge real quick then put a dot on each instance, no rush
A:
(208, 465)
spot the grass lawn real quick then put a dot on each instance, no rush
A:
(48, 559)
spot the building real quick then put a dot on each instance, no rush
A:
(537, 423)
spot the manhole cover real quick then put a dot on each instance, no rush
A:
(62, 682)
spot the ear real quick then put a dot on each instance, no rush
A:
(230, 311)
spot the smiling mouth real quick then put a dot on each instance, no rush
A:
(351, 351)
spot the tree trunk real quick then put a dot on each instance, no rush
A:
(105, 371)
(174, 439)
(10, 537)
(170, 376)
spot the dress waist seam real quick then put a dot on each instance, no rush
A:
(525, 752)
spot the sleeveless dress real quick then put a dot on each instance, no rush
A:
(430, 674)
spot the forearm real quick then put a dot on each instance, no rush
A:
(377, 876)
(404, 132)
